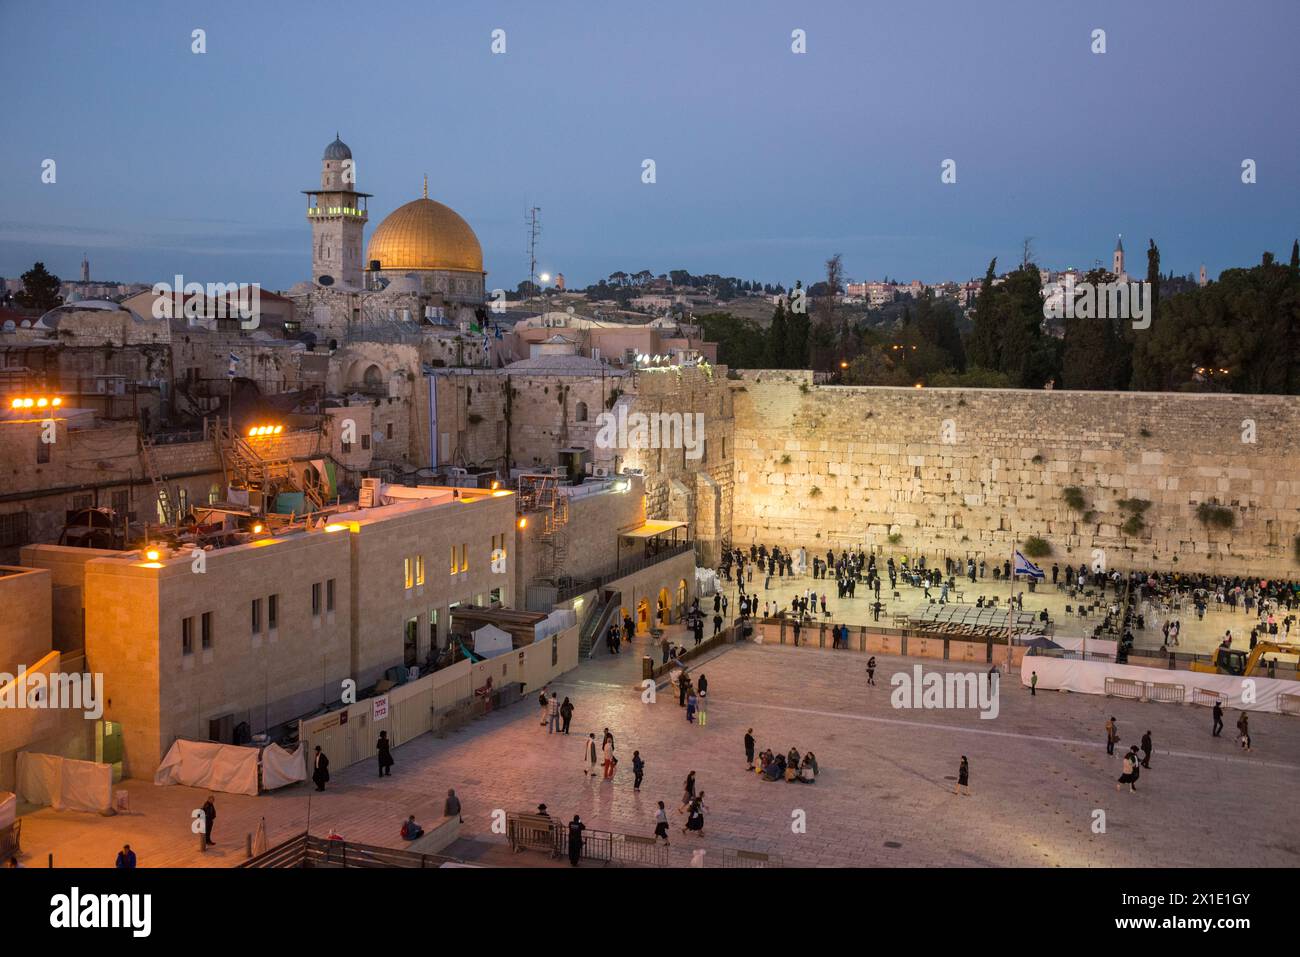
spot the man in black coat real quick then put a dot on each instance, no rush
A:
(321, 769)
(209, 816)
(576, 827)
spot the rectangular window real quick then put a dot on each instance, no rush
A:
(433, 628)
(408, 571)
(273, 612)
(390, 430)
(207, 631)
(464, 557)
(42, 452)
(187, 636)
(315, 599)
(257, 616)
(347, 447)
(419, 569)
(453, 559)
(365, 442)
(329, 595)
(83, 501)
(121, 501)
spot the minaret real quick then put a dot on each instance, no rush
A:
(1204, 280)
(1119, 258)
(337, 213)
(85, 268)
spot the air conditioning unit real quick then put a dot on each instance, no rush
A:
(600, 471)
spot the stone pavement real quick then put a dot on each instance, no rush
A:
(1039, 774)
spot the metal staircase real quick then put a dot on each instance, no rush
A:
(598, 622)
(542, 493)
(242, 461)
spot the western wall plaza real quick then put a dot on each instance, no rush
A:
(365, 505)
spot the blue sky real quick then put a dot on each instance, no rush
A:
(767, 161)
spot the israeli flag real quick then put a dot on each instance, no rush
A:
(1025, 567)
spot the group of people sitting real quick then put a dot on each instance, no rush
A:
(791, 767)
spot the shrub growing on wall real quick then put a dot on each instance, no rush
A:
(1212, 514)
(1073, 497)
(1036, 547)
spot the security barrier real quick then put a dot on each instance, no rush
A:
(1125, 688)
(1159, 691)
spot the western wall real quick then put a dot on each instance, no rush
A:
(976, 472)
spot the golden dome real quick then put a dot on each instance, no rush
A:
(425, 235)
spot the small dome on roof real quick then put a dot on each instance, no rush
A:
(338, 150)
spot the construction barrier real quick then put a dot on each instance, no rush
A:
(1158, 691)
(1124, 688)
(1203, 696)
(1288, 703)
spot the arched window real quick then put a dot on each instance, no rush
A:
(580, 412)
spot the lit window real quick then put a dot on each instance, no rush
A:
(419, 569)
(453, 559)
(464, 558)
(408, 572)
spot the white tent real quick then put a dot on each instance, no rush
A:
(211, 766)
(490, 641)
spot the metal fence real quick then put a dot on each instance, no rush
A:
(1160, 691)
(1124, 688)
(307, 850)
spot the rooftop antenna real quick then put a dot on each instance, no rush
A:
(534, 223)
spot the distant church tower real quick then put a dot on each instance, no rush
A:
(85, 268)
(1119, 257)
(1204, 280)
(337, 213)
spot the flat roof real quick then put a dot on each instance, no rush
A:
(652, 528)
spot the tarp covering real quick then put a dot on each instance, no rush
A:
(1096, 646)
(1089, 677)
(64, 784)
(281, 767)
(490, 641)
(556, 621)
(211, 766)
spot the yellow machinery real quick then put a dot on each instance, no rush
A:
(1236, 661)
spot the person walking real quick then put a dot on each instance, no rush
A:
(871, 670)
(661, 824)
(692, 702)
(963, 777)
(1146, 750)
(607, 748)
(320, 769)
(749, 749)
(385, 755)
(1218, 720)
(638, 770)
(1243, 731)
(688, 792)
(695, 815)
(544, 703)
(566, 714)
(125, 857)
(209, 818)
(717, 624)
(553, 714)
(1033, 683)
(1112, 735)
(576, 827)
(589, 753)
(1129, 776)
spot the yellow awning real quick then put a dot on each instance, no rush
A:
(651, 529)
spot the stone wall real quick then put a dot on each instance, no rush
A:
(975, 472)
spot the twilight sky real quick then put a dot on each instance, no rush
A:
(767, 161)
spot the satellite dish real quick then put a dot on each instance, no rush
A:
(325, 280)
